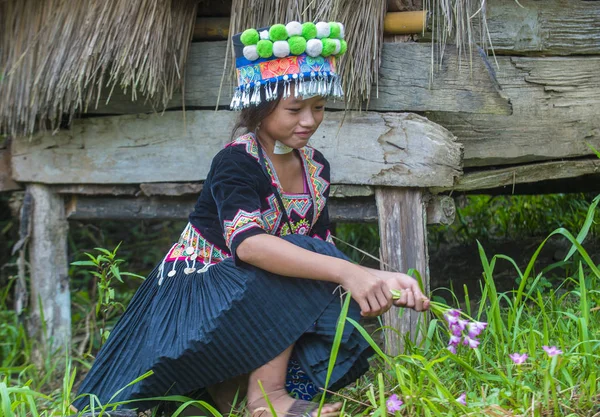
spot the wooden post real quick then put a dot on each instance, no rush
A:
(402, 229)
(50, 297)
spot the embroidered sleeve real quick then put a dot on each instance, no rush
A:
(235, 189)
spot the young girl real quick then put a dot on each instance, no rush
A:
(250, 294)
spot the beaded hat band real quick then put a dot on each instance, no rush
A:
(302, 55)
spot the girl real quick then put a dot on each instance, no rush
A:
(247, 296)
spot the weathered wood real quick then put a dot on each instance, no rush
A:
(107, 208)
(524, 174)
(549, 27)
(440, 209)
(50, 297)
(360, 209)
(404, 83)
(403, 234)
(556, 103)
(6, 181)
(171, 189)
(388, 149)
(96, 189)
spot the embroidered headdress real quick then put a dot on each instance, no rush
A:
(302, 54)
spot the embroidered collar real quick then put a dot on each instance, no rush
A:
(316, 183)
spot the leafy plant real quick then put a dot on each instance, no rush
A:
(105, 266)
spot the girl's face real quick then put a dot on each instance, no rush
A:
(293, 121)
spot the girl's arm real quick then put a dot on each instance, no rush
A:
(280, 257)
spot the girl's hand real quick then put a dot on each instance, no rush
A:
(372, 293)
(411, 295)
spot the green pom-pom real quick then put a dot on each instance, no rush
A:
(278, 32)
(309, 30)
(343, 47)
(250, 37)
(264, 48)
(297, 45)
(334, 30)
(328, 47)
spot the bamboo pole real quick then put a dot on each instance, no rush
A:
(395, 23)
(404, 23)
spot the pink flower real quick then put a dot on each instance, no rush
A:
(456, 330)
(462, 324)
(393, 403)
(452, 348)
(517, 358)
(552, 350)
(472, 343)
(475, 328)
(453, 313)
(451, 319)
(454, 340)
(462, 399)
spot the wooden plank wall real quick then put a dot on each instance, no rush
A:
(525, 117)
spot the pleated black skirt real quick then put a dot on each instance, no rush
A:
(196, 330)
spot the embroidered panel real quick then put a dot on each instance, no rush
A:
(318, 183)
(195, 247)
(242, 221)
(249, 142)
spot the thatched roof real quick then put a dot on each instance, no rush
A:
(57, 55)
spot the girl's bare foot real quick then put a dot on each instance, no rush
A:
(284, 405)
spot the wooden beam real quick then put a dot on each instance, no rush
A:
(361, 209)
(50, 296)
(404, 84)
(551, 27)
(512, 177)
(403, 234)
(556, 107)
(6, 180)
(364, 148)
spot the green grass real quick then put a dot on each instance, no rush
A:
(426, 377)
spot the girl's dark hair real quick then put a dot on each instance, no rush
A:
(250, 117)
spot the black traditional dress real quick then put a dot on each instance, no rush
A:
(204, 316)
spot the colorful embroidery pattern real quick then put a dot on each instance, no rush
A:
(242, 221)
(248, 142)
(278, 67)
(272, 216)
(193, 245)
(318, 183)
(274, 69)
(301, 227)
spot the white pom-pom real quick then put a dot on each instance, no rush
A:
(281, 49)
(323, 30)
(250, 52)
(314, 47)
(338, 46)
(264, 35)
(341, 30)
(294, 29)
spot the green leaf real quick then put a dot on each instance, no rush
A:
(84, 263)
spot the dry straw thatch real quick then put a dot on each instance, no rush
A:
(57, 56)
(363, 20)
